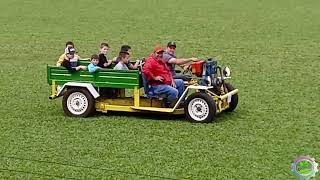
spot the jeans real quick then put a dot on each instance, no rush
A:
(171, 92)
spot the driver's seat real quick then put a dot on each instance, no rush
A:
(148, 89)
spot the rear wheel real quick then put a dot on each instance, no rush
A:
(234, 98)
(200, 108)
(78, 102)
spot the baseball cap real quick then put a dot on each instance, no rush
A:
(124, 51)
(158, 49)
(125, 47)
(69, 50)
(171, 43)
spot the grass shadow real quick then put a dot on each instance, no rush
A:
(145, 116)
(220, 118)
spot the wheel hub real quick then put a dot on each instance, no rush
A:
(77, 103)
(198, 108)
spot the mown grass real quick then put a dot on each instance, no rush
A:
(272, 48)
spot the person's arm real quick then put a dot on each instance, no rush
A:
(173, 83)
(60, 60)
(67, 65)
(80, 67)
(135, 66)
(108, 63)
(130, 66)
(181, 61)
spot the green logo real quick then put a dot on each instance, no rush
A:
(304, 167)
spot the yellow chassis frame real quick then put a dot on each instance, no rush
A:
(139, 104)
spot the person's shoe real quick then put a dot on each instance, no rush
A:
(166, 105)
(181, 105)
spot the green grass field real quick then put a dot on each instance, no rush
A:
(272, 48)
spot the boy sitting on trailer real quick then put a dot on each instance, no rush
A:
(71, 63)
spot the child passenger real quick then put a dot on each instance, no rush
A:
(93, 66)
(103, 61)
(69, 44)
(129, 64)
(123, 61)
(71, 63)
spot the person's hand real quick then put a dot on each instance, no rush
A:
(109, 62)
(83, 68)
(194, 59)
(173, 84)
(78, 68)
(187, 67)
(158, 78)
(142, 61)
(105, 64)
(138, 62)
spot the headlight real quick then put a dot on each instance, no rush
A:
(209, 80)
(226, 71)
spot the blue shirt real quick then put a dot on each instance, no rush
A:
(92, 68)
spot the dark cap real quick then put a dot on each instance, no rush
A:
(70, 50)
(171, 43)
(124, 51)
(125, 47)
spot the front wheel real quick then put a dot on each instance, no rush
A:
(200, 108)
(78, 102)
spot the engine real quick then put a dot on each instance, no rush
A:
(210, 74)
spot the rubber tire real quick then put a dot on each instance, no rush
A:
(209, 100)
(234, 99)
(91, 102)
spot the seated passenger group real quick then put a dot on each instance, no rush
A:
(70, 59)
(159, 68)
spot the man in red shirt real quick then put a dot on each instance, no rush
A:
(160, 78)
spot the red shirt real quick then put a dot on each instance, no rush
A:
(153, 68)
